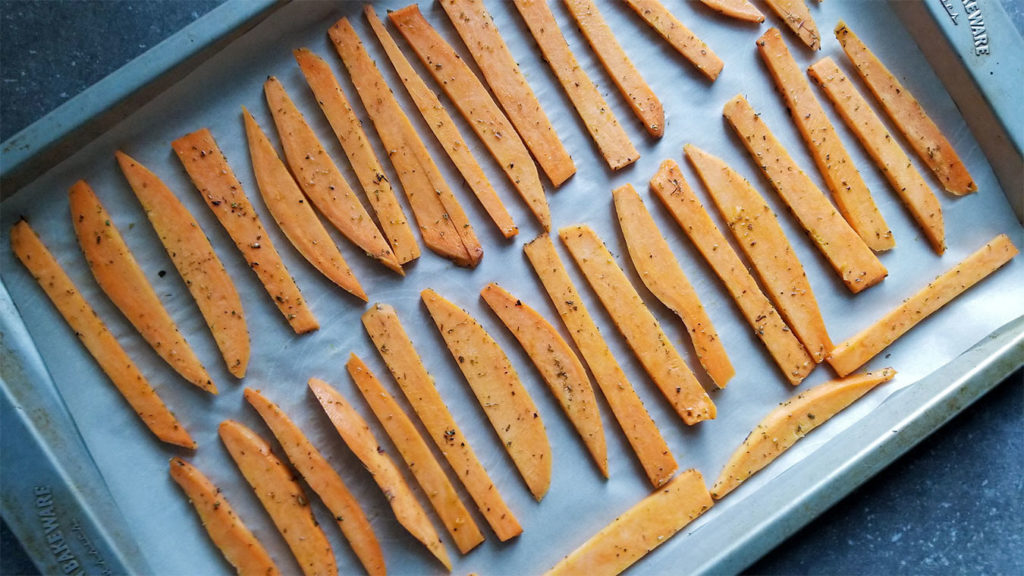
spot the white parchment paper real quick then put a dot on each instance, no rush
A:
(579, 502)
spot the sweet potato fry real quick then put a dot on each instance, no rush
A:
(324, 480)
(761, 238)
(96, 337)
(675, 193)
(907, 115)
(234, 540)
(497, 388)
(679, 36)
(641, 529)
(349, 132)
(848, 189)
(123, 281)
(798, 17)
(293, 215)
(849, 256)
(196, 262)
(856, 351)
(738, 9)
(473, 23)
(442, 222)
(791, 421)
(643, 435)
(444, 129)
(660, 272)
(357, 435)
(558, 365)
(320, 179)
(887, 154)
(385, 329)
(282, 497)
(417, 456)
(597, 116)
(636, 323)
(209, 170)
(627, 78)
(477, 107)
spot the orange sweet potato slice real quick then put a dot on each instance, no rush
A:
(442, 222)
(643, 435)
(679, 36)
(209, 170)
(122, 280)
(349, 132)
(417, 456)
(558, 365)
(738, 9)
(660, 272)
(231, 536)
(791, 421)
(855, 352)
(798, 17)
(385, 329)
(360, 439)
(293, 215)
(196, 262)
(848, 189)
(281, 496)
(597, 115)
(497, 388)
(96, 337)
(324, 480)
(675, 193)
(474, 24)
(849, 256)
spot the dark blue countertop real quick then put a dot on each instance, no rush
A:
(952, 505)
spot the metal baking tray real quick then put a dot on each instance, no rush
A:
(91, 490)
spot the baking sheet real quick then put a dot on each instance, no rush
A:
(579, 502)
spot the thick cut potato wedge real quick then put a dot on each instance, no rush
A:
(404, 363)
(234, 540)
(679, 36)
(123, 281)
(282, 497)
(791, 421)
(96, 337)
(639, 530)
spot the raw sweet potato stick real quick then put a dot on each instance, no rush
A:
(442, 222)
(474, 24)
(660, 272)
(234, 540)
(96, 337)
(385, 329)
(123, 281)
(887, 154)
(849, 256)
(639, 327)
(497, 388)
(679, 36)
(317, 472)
(797, 16)
(417, 456)
(848, 189)
(597, 116)
(627, 78)
(643, 435)
(761, 238)
(293, 215)
(349, 132)
(209, 170)
(738, 9)
(196, 262)
(477, 107)
(675, 193)
(321, 180)
(907, 114)
(444, 129)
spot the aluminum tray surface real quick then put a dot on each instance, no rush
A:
(579, 502)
